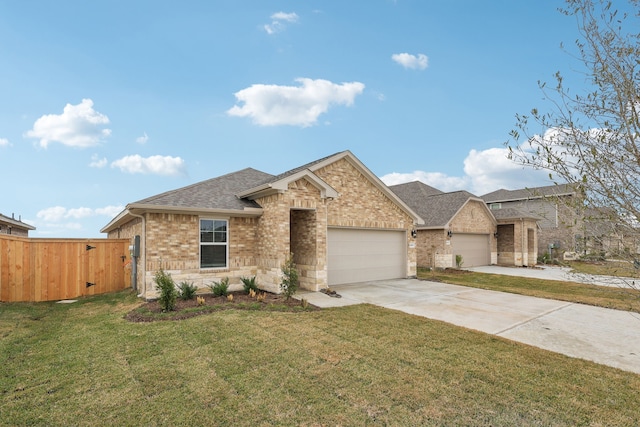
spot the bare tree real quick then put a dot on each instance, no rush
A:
(590, 140)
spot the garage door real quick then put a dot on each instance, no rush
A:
(474, 249)
(357, 255)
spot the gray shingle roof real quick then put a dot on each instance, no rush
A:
(16, 222)
(434, 207)
(512, 213)
(503, 195)
(215, 193)
(414, 192)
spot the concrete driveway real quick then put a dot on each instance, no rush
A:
(605, 336)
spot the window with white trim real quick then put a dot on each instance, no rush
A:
(495, 206)
(214, 243)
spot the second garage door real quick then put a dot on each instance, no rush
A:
(360, 255)
(474, 249)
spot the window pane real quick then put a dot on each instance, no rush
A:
(220, 232)
(213, 256)
(206, 230)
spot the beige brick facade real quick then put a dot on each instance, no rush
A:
(517, 243)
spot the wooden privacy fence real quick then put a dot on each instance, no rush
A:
(57, 269)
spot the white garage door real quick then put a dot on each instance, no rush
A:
(474, 249)
(357, 255)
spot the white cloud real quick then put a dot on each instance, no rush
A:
(272, 105)
(491, 169)
(485, 171)
(109, 211)
(53, 214)
(4, 142)
(157, 165)
(142, 139)
(415, 62)
(278, 22)
(58, 214)
(97, 162)
(78, 126)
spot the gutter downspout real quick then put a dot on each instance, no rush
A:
(525, 261)
(143, 256)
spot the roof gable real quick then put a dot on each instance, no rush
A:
(436, 208)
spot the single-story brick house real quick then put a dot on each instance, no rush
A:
(341, 223)
(13, 226)
(459, 223)
(456, 223)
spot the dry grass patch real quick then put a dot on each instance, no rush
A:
(84, 364)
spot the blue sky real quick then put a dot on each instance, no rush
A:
(108, 102)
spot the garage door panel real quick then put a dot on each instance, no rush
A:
(474, 249)
(357, 255)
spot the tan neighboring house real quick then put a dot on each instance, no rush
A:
(459, 223)
(559, 224)
(15, 227)
(341, 223)
(456, 224)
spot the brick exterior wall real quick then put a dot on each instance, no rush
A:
(431, 247)
(517, 243)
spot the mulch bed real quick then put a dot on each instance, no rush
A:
(151, 311)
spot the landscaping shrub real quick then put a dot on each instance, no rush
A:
(186, 290)
(249, 283)
(289, 284)
(221, 288)
(168, 292)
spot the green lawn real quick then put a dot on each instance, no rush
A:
(83, 364)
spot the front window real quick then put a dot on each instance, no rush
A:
(213, 243)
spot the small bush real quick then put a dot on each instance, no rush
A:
(459, 261)
(187, 290)
(168, 292)
(221, 288)
(249, 284)
(289, 284)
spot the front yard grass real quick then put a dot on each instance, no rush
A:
(601, 296)
(84, 364)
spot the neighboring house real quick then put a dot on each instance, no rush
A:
(456, 224)
(605, 233)
(14, 226)
(459, 223)
(560, 225)
(341, 223)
